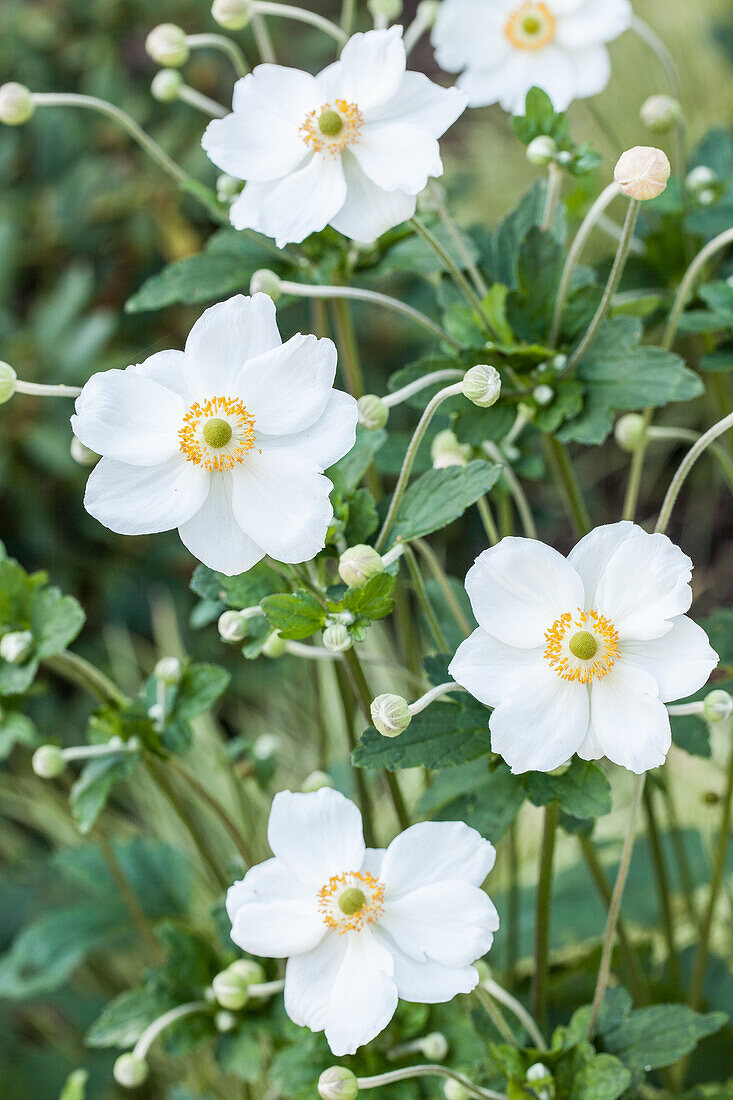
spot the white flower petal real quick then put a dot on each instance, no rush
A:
(433, 851)
(273, 913)
(368, 210)
(680, 661)
(554, 72)
(398, 156)
(451, 922)
(420, 102)
(645, 584)
(329, 439)
(309, 980)
(166, 368)
(519, 588)
(491, 670)
(266, 882)
(144, 500)
(287, 388)
(507, 83)
(540, 728)
(593, 22)
(292, 208)
(316, 835)
(373, 860)
(428, 982)
(282, 502)
(372, 66)
(469, 32)
(592, 554)
(125, 416)
(363, 997)
(592, 70)
(591, 749)
(224, 338)
(630, 722)
(213, 535)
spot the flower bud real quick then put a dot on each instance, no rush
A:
(275, 646)
(373, 413)
(16, 647)
(700, 178)
(707, 197)
(130, 1071)
(482, 385)
(390, 715)
(316, 781)
(543, 395)
(166, 45)
(227, 188)
(717, 706)
(225, 1021)
(660, 113)
(629, 431)
(166, 85)
(385, 9)
(169, 671)
(454, 1090)
(445, 450)
(232, 626)
(559, 362)
(249, 970)
(359, 564)
(541, 150)
(642, 172)
(433, 1047)
(82, 455)
(48, 762)
(230, 989)
(265, 282)
(16, 104)
(336, 638)
(267, 746)
(541, 1080)
(7, 382)
(338, 1083)
(427, 12)
(233, 15)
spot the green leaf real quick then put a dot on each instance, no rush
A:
(502, 247)
(660, 1035)
(439, 497)
(443, 734)
(16, 729)
(55, 621)
(363, 518)
(240, 1055)
(91, 790)
(295, 615)
(374, 599)
(485, 796)
(75, 1085)
(539, 268)
(582, 791)
(125, 1017)
(540, 118)
(200, 687)
(603, 1078)
(352, 467)
(415, 257)
(246, 590)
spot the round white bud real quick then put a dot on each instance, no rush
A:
(169, 671)
(700, 178)
(427, 12)
(660, 113)
(482, 385)
(316, 781)
(359, 564)
(82, 455)
(717, 706)
(267, 282)
(48, 762)
(445, 450)
(642, 172)
(275, 646)
(541, 150)
(225, 1021)
(266, 746)
(166, 85)
(233, 15)
(336, 638)
(434, 1047)
(338, 1083)
(230, 990)
(543, 1084)
(390, 715)
(707, 197)
(7, 382)
(538, 1072)
(166, 45)
(16, 104)
(129, 1071)
(16, 647)
(543, 395)
(373, 413)
(454, 1090)
(232, 626)
(227, 188)
(385, 9)
(564, 158)
(559, 362)
(251, 971)
(629, 431)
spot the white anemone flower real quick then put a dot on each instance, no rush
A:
(502, 48)
(580, 654)
(226, 440)
(351, 147)
(361, 927)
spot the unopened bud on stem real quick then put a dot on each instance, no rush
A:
(267, 282)
(373, 413)
(231, 989)
(232, 627)
(16, 104)
(445, 450)
(541, 150)
(233, 15)
(660, 113)
(48, 762)
(336, 638)
(7, 382)
(359, 564)
(629, 431)
(482, 385)
(169, 671)
(16, 647)
(166, 85)
(338, 1083)
(129, 1071)
(642, 172)
(166, 45)
(316, 781)
(390, 715)
(718, 706)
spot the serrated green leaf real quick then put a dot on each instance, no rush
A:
(374, 599)
(531, 304)
(363, 518)
(352, 467)
(440, 496)
(582, 791)
(55, 621)
(485, 796)
(125, 1017)
(91, 790)
(660, 1035)
(240, 1054)
(239, 592)
(603, 1078)
(443, 734)
(296, 615)
(200, 687)
(540, 118)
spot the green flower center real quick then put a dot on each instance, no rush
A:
(330, 123)
(532, 25)
(583, 645)
(352, 901)
(216, 432)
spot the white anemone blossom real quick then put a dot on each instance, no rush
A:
(580, 654)
(502, 48)
(361, 927)
(226, 440)
(351, 147)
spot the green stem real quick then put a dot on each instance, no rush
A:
(224, 45)
(454, 270)
(515, 489)
(195, 832)
(349, 696)
(240, 843)
(552, 195)
(487, 519)
(687, 435)
(410, 1072)
(566, 478)
(444, 584)
(678, 846)
(77, 670)
(262, 38)
(496, 1016)
(129, 899)
(457, 238)
(543, 901)
(686, 465)
(518, 1010)
(348, 347)
(664, 891)
(422, 594)
(301, 15)
(513, 906)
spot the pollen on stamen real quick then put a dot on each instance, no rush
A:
(320, 133)
(198, 450)
(568, 665)
(531, 26)
(339, 917)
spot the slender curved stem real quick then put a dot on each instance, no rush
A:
(543, 900)
(129, 899)
(197, 836)
(515, 488)
(348, 10)
(348, 347)
(443, 583)
(414, 33)
(652, 39)
(262, 38)
(409, 1072)
(224, 45)
(240, 843)
(567, 479)
(301, 15)
(552, 195)
(458, 242)
(201, 102)
(81, 672)
(428, 610)
(420, 384)
(148, 1037)
(687, 435)
(664, 892)
(495, 1015)
(450, 264)
(686, 465)
(517, 1009)
(487, 519)
(40, 389)
(429, 697)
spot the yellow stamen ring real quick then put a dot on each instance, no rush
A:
(333, 127)
(351, 901)
(217, 434)
(582, 648)
(531, 26)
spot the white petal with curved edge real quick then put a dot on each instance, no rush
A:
(631, 723)
(287, 388)
(369, 71)
(420, 102)
(282, 502)
(145, 500)
(451, 922)
(594, 22)
(553, 71)
(316, 835)
(519, 588)
(398, 156)
(592, 70)
(469, 32)
(432, 851)
(309, 980)
(591, 749)
(299, 204)
(326, 441)
(427, 982)
(591, 555)
(363, 997)
(645, 584)
(507, 83)
(213, 535)
(491, 670)
(373, 860)
(541, 728)
(368, 210)
(680, 661)
(125, 416)
(224, 338)
(278, 929)
(266, 882)
(166, 368)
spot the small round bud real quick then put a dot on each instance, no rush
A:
(169, 671)
(249, 970)
(16, 647)
(266, 746)
(559, 362)
(660, 113)
(225, 1021)
(700, 178)
(7, 382)
(427, 12)
(82, 455)
(543, 395)
(316, 781)
(454, 1090)
(232, 626)
(338, 1083)
(541, 150)
(434, 1047)
(390, 715)
(445, 450)
(629, 431)
(275, 646)
(482, 385)
(230, 990)
(564, 158)
(166, 85)
(337, 639)
(166, 45)
(717, 706)
(385, 9)
(130, 1071)
(16, 104)
(233, 15)
(642, 172)
(48, 762)
(373, 413)
(359, 564)
(265, 282)
(227, 188)
(707, 197)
